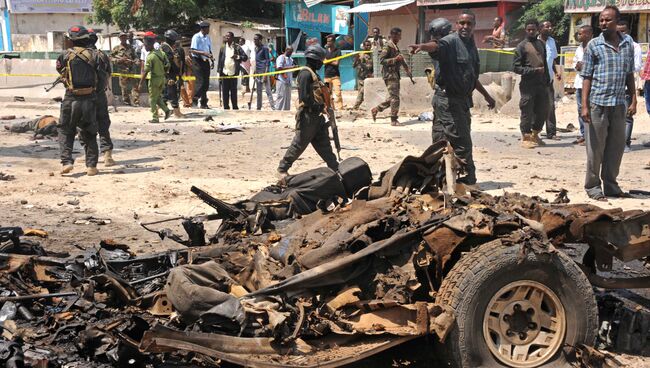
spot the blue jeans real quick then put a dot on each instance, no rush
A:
(580, 120)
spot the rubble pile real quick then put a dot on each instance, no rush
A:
(287, 279)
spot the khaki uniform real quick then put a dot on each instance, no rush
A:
(124, 59)
(363, 66)
(157, 65)
(390, 73)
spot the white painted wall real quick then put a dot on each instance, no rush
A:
(43, 23)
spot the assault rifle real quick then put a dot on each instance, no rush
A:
(329, 108)
(58, 80)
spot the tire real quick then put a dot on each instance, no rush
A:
(496, 275)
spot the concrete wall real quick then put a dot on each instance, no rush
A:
(43, 23)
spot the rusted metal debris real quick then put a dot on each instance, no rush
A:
(276, 286)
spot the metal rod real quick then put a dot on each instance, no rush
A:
(149, 278)
(35, 296)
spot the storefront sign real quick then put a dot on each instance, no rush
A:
(594, 6)
(321, 18)
(50, 6)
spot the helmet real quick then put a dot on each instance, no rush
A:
(315, 52)
(171, 35)
(92, 36)
(77, 33)
(439, 27)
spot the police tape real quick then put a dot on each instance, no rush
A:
(188, 78)
(512, 52)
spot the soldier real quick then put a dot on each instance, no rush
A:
(103, 118)
(458, 78)
(363, 65)
(176, 57)
(391, 60)
(124, 59)
(310, 123)
(78, 68)
(157, 65)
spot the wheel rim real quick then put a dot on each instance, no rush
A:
(524, 324)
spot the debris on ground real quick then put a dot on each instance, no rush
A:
(322, 267)
(6, 177)
(222, 129)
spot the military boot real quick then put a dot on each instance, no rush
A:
(67, 168)
(537, 139)
(108, 158)
(177, 112)
(92, 171)
(394, 121)
(527, 141)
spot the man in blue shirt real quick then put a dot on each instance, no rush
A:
(608, 69)
(551, 60)
(202, 62)
(262, 65)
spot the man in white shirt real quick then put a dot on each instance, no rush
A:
(585, 34)
(230, 57)
(624, 27)
(283, 86)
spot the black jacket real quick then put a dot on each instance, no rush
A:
(222, 58)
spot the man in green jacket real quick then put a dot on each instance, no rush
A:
(157, 66)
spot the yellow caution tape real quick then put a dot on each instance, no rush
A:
(512, 52)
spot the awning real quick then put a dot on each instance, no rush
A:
(376, 7)
(311, 3)
(460, 2)
(572, 6)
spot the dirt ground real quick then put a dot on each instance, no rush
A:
(157, 165)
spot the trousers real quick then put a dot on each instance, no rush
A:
(629, 122)
(310, 129)
(335, 86)
(264, 82)
(392, 100)
(78, 113)
(580, 119)
(283, 97)
(452, 122)
(551, 121)
(129, 87)
(103, 123)
(201, 70)
(172, 92)
(605, 142)
(156, 86)
(534, 107)
(229, 93)
(360, 84)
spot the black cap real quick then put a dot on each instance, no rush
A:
(204, 24)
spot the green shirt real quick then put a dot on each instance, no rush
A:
(156, 64)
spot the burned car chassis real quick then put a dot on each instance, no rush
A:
(302, 281)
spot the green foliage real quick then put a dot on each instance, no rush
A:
(552, 10)
(162, 14)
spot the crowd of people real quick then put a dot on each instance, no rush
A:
(605, 87)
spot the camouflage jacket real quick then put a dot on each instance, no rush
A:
(120, 55)
(389, 63)
(363, 66)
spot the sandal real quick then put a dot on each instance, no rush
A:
(598, 197)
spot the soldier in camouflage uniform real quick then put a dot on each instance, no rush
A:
(124, 58)
(363, 66)
(176, 56)
(391, 60)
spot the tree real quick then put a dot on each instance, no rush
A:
(162, 14)
(551, 10)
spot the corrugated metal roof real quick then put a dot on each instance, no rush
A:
(460, 2)
(311, 3)
(375, 7)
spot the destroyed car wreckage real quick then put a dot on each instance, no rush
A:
(326, 270)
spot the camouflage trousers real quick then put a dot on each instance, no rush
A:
(129, 87)
(360, 84)
(392, 100)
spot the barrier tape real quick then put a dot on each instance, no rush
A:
(512, 52)
(137, 76)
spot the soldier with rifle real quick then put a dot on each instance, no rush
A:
(314, 101)
(176, 56)
(124, 59)
(78, 67)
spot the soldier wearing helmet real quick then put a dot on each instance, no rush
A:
(78, 67)
(124, 59)
(310, 122)
(103, 119)
(176, 56)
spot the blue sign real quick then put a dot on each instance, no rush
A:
(320, 17)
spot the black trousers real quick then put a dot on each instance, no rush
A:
(452, 122)
(534, 105)
(551, 121)
(229, 93)
(201, 70)
(171, 92)
(310, 129)
(103, 123)
(78, 112)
